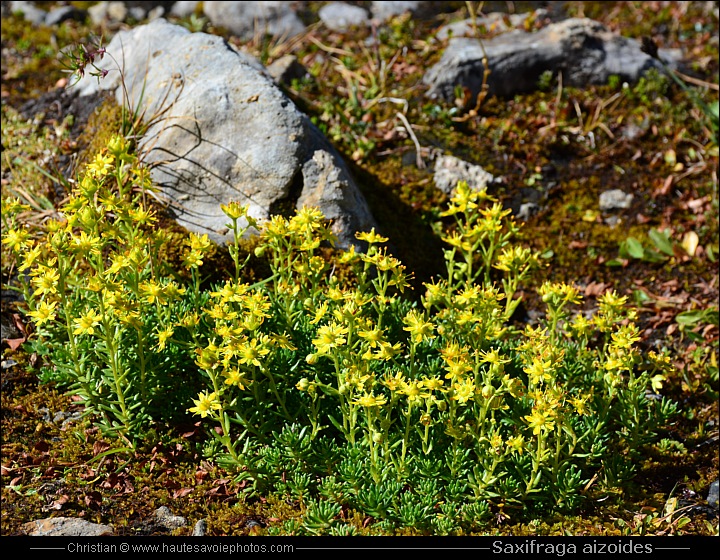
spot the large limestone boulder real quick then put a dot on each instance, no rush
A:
(221, 130)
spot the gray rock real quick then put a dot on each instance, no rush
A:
(247, 19)
(107, 11)
(449, 170)
(64, 13)
(165, 518)
(383, 11)
(29, 11)
(615, 199)
(226, 132)
(184, 8)
(200, 528)
(286, 69)
(340, 16)
(329, 187)
(714, 494)
(583, 50)
(527, 210)
(8, 330)
(7, 364)
(118, 12)
(66, 527)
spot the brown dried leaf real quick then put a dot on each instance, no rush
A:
(182, 492)
(594, 289)
(14, 343)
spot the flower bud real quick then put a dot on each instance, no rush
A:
(311, 359)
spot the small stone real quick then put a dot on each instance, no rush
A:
(166, 519)
(449, 170)
(30, 13)
(714, 494)
(339, 16)
(66, 527)
(64, 13)
(615, 199)
(183, 8)
(7, 364)
(527, 211)
(200, 528)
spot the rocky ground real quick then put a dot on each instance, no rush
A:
(385, 105)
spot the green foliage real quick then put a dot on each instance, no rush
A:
(342, 392)
(631, 248)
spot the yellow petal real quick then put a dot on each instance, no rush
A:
(690, 242)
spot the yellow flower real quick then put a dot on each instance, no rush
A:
(118, 263)
(250, 352)
(539, 371)
(142, 216)
(46, 280)
(16, 238)
(348, 256)
(205, 404)
(414, 391)
(612, 301)
(540, 421)
(580, 405)
(12, 206)
(190, 320)
(496, 441)
(493, 357)
(399, 279)
(626, 336)
(237, 378)
(230, 292)
(463, 390)
(387, 351)
(117, 145)
(516, 443)
(85, 244)
(193, 259)
(433, 383)
(395, 382)
(656, 382)
(101, 165)
(152, 292)
(233, 210)
(434, 294)
(330, 336)
(456, 368)
(418, 327)
(30, 256)
(163, 337)
(44, 312)
(374, 336)
(281, 341)
(457, 240)
(370, 400)
(86, 323)
(207, 357)
(370, 237)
